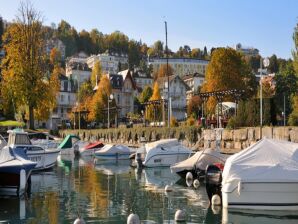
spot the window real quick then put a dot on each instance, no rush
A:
(62, 98)
(69, 98)
(62, 111)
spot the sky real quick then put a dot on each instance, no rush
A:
(267, 25)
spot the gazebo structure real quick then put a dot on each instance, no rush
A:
(219, 95)
(156, 104)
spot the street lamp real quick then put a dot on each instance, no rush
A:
(109, 100)
(266, 64)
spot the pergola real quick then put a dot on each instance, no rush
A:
(155, 104)
(219, 95)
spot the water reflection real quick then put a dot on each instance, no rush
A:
(103, 192)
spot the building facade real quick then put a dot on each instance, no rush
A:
(142, 79)
(194, 81)
(110, 63)
(178, 89)
(249, 51)
(181, 66)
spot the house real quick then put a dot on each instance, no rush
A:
(77, 69)
(110, 63)
(66, 99)
(181, 66)
(250, 51)
(178, 89)
(194, 81)
(142, 79)
(123, 89)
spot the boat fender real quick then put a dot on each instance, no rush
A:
(22, 182)
(215, 209)
(196, 183)
(216, 200)
(168, 188)
(189, 176)
(180, 216)
(79, 221)
(133, 219)
(239, 187)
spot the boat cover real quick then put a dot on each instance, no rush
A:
(165, 143)
(200, 160)
(267, 160)
(113, 149)
(67, 142)
(94, 145)
(6, 154)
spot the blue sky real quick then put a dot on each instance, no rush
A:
(265, 24)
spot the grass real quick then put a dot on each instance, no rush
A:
(11, 123)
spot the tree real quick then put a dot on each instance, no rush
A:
(100, 99)
(205, 54)
(226, 70)
(146, 94)
(295, 51)
(25, 61)
(293, 118)
(273, 65)
(1, 30)
(157, 49)
(153, 112)
(194, 106)
(96, 74)
(163, 71)
(69, 36)
(196, 53)
(55, 56)
(134, 54)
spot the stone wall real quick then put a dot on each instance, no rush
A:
(230, 140)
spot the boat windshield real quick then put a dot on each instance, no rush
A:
(18, 139)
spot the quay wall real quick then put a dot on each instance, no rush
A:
(231, 141)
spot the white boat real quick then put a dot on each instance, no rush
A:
(114, 152)
(198, 163)
(21, 145)
(164, 152)
(263, 176)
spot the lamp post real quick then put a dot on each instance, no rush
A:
(109, 100)
(266, 64)
(167, 54)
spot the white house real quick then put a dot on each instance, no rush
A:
(193, 81)
(178, 90)
(110, 63)
(142, 79)
(181, 66)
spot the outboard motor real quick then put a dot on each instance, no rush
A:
(213, 181)
(139, 160)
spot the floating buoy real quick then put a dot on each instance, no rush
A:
(168, 188)
(180, 216)
(79, 220)
(196, 183)
(133, 219)
(215, 200)
(189, 176)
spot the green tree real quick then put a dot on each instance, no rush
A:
(273, 65)
(134, 54)
(1, 30)
(69, 36)
(146, 94)
(25, 61)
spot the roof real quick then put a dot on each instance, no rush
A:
(162, 80)
(141, 75)
(126, 74)
(177, 58)
(116, 81)
(94, 145)
(189, 76)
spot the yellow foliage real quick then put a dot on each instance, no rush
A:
(153, 112)
(190, 121)
(174, 122)
(96, 73)
(162, 71)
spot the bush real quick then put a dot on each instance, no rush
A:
(190, 121)
(231, 123)
(173, 122)
(293, 119)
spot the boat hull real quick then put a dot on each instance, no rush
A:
(160, 160)
(44, 160)
(265, 196)
(118, 156)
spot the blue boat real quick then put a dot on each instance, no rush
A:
(11, 166)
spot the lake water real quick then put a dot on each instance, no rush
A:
(108, 193)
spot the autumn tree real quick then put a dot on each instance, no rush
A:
(153, 112)
(96, 73)
(100, 100)
(163, 71)
(226, 70)
(194, 106)
(25, 62)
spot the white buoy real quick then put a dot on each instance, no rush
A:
(189, 176)
(215, 200)
(133, 219)
(180, 216)
(168, 188)
(196, 183)
(79, 220)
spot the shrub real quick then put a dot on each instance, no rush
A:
(173, 122)
(190, 121)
